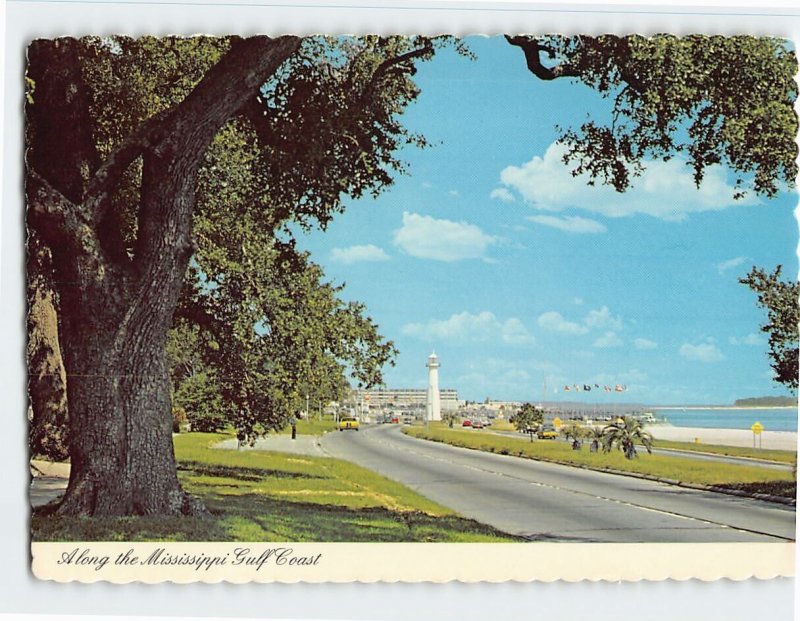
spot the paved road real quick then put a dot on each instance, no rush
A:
(550, 502)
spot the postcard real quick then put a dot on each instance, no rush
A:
(417, 308)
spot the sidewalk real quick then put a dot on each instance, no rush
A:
(49, 481)
(50, 478)
(302, 445)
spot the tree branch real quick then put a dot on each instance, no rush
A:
(389, 63)
(144, 137)
(531, 47)
(57, 219)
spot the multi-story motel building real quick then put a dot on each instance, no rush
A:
(406, 398)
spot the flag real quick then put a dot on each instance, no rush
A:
(566, 388)
(618, 388)
(586, 387)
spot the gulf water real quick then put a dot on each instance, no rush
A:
(773, 419)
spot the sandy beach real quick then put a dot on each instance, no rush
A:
(784, 440)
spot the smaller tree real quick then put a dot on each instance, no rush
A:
(780, 299)
(449, 417)
(624, 435)
(573, 431)
(527, 417)
(595, 434)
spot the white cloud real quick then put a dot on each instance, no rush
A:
(453, 193)
(425, 237)
(570, 224)
(502, 194)
(751, 339)
(665, 190)
(644, 344)
(703, 352)
(553, 320)
(730, 264)
(623, 377)
(466, 326)
(356, 254)
(602, 319)
(577, 301)
(594, 320)
(609, 339)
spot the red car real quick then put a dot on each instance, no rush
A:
(467, 423)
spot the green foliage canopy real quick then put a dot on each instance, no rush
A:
(625, 435)
(781, 300)
(527, 417)
(712, 99)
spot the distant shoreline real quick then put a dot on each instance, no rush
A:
(723, 407)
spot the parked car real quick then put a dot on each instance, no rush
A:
(467, 423)
(477, 424)
(547, 432)
(348, 423)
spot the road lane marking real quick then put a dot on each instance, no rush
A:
(392, 443)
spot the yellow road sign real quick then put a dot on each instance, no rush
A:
(757, 428)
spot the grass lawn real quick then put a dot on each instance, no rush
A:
(262, 496)
(734, 451)
(682, 469)
(312, 426)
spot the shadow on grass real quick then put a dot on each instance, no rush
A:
(253, 517)
(238, 472)
(785, 489)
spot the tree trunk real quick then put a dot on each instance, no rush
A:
(120, 417)
(115, 311)
(48, 413)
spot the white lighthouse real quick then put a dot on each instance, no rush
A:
(434, 408)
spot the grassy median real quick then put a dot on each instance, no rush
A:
(683, 469)
(264, 496)
(787, 457)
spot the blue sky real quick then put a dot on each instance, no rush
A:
(520, 276)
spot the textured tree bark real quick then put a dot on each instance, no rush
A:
(115, 311)
(48, 414)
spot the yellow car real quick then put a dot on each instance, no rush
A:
(547, 432)
(348, 423)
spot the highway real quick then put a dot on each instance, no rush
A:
(550, 502)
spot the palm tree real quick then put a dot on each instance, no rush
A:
(625, 434)
(596, 436)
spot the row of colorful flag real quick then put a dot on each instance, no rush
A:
(588, 387)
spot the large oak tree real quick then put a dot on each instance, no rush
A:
(121, 181)
(118, 136)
